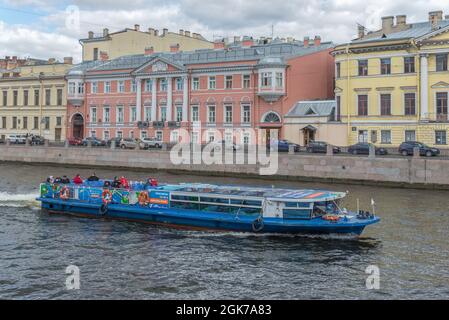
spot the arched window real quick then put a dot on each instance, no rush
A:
(271, 117)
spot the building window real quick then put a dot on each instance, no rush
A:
(119, 134)
(441, 62)
(441, 104)
(3, 122)
(148, 85)
(95, 54)
(163, 113)
(25, 123)
(337, 69)
(93, 115)
(159, 135)
(179, 114)
(385, 104)
(131, 134)
(385, 136)
(5, 98)
(246, 81)
(72, 88)
(362, 104)
(106, 135)
(94, 87)
(14, 122)
(228, 82)
(133, 115)
(266, 79)
(228, 137)
(410, 135)
(25, 97)
(210, 136)
(228, 114)
(363, 67)
(163, 84)
(409, 64)
(246, 114)
(15, 95)
(338, 111)
(174, 136)
(179, 84)
(58, 121)
(93, 134)
(133, 85)
(36, 123)
(440, 136)
(143, 134)
(195, 114)
(246, 138)
(363, 136)
(212, 83)
(121, 86)
(80, 88)
(196, 84)
(409, 104)
(279, 80)
(36, 97)
(106, 114)
(120, 115)
(47, 123)
(385, 66)
(194, 137)
(148, 114)
(107, 87)
(211, 114)
(47, 97)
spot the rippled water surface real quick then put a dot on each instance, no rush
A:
(131, 260)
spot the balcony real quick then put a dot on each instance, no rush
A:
(437, 117)
(270, 94)
(75, 99)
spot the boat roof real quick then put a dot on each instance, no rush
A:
(302, 195)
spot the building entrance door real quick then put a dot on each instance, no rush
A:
(78, 126)
(57, 134)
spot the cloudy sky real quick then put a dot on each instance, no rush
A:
(51, 28)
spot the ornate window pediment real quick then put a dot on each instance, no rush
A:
(440, 84)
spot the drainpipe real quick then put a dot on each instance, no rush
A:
(418, 89)
(347, 94)
(41, 89)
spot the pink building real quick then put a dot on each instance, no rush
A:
(238, 86)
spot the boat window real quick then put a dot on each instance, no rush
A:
(214, 200)
(254, 203)
(324, 207)
(184, 205)
(296, 213)
(184, 198)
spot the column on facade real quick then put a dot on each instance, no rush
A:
(153, 99)
(169, 98)
(424, 99)
(185, 98)
(139, 99)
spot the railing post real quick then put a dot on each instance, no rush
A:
(66, 143)
(112, 144)
(372, 151)
(28, 142)
(329, 150)
(291, 149)
(46, 142)
(89, 143)
(416, 153)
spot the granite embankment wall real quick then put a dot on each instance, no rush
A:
(416, 172)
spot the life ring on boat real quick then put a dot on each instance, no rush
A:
(103, 209)
(257, 224)
(331, 218)
(64, 194)
(143, 198)
(106, 196)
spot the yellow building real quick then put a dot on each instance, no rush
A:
(392, 85)
(134, 41)
(33, 99)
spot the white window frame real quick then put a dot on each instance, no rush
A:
(243, 81)
(243, 113)
(225, 114)
(108, 118)
(212, 83)
(107, 87)
(120, 86)
(197, 107)
(120, 111)
(209, 118)
(132, 114)
(94, 87)
(93, 114)
(195, 83)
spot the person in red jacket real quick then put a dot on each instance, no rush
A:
(124, 183)
(77, 179)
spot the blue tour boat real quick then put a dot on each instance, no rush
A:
(209, 207)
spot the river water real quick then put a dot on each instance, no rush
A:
(123, 260)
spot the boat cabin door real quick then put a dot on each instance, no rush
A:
(272, 209)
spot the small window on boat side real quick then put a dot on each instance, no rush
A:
(291, 204)
(184, 198)
(215, 200)
(253, 203)
(296, 213)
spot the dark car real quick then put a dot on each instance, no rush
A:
(320, 147)
(116, 141)
(94, 141)
(363, 148)
(37, 140)
(283, 146)
(75, 142)
(406, 149)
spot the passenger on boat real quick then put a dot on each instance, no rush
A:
(58, 180)
(107, 184)
(124, 183)
(151, 182)
(77, 179)
(50, 179)
(116, 183)
(93, 177)
(65, 180)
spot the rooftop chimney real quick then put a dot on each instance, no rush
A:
(236, 39)
(306, 42)
(247, 41)
(90, 34)
(435, 17)
(156, 32)
(219, 44)
(401, 20)
(195, 35)
(104, 56)
(68, 60)
(187, 33)
(164, 31)
(136, 27)
(174, 47)
(51, 60)
(105, 32)
(387, 24)
(181, 32)
(360, 31)
(149, 51)
(317, 41)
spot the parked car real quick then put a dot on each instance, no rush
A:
(2, 140)
(363, 148)
(283, 145)
(150, 143)
(128, 143)
(94, 141)
(221, 145)
(16, 139)
(37, 140)
(115, 140)
(75, 142)
(406, 149)
(320, 147)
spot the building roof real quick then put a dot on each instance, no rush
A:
(270, 52)
(319, 108)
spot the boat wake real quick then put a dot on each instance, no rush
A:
(18, 200)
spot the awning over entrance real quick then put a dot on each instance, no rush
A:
(309, 128)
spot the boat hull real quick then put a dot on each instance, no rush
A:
(196, 220)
